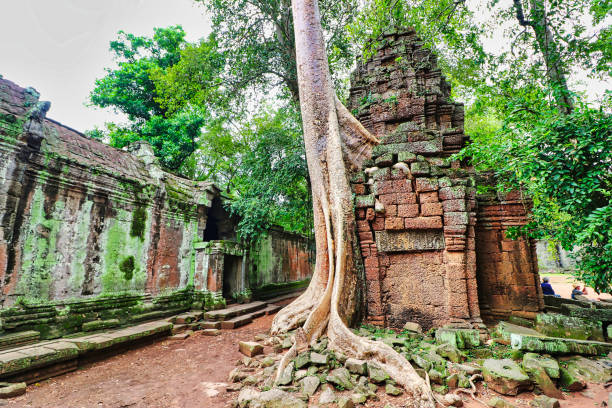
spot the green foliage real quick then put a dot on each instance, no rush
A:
(272, 181)
(564, 164)
(257, 37)
(152, 87)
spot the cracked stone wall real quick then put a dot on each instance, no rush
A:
(425, 238)
(79, 218)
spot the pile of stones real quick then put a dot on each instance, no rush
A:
(452, 358)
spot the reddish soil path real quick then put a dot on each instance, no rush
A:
(167, 374)
(192, 373)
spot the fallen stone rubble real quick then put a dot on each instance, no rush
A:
(452, 358)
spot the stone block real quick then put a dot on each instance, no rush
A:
(460, 338)
(423, 223)
(250, 348)
(10, 390)
(505, 377)
(426, 184)
(558, 325)
(430, 209)
(555, 345)
(408, 210)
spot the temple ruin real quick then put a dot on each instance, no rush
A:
(80, 218)
(434, 250)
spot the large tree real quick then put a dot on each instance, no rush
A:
(257, 36)
(335, 142)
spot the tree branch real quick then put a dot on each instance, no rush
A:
(520, 15)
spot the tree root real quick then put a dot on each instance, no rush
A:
(472, 391)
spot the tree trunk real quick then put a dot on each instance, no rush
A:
(335, 142)
(555, 72)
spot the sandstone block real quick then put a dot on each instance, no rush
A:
(10, 390)
(250, 348)
(505, 377)
(423, 223)
(429, 209)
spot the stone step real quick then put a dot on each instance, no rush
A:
(210, 325)
(18, 339)
(211, 332)
(128, 335)
(241, 320)
(180, 336)
(271, 309)
(188, 317)
(234, 311)
(284, 297)
(179, 328)
(31, 357)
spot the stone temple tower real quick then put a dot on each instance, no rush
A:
(417, 210)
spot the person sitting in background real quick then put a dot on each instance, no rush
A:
(584, 290)
(576, 291)
(547, 287)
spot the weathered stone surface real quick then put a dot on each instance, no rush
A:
(376, 373)
(570, 382)
(588, 370)
(545, 384)
(341, 378)
(413, 327)
(555, 345)
(542, 401)
(302, 360)
(408, 241)
(328, 396)
(356, 366)
(250, 348)
(10, 390)
(273, 398)
(558, 325)
(497, 402)
(505, 377)
(287, 375)
(309, 385)
(450, 352)
(316, 358)
(345, 402)
(391, 389)
(533, 361)
(460, 338)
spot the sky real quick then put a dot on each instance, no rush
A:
(60, 47)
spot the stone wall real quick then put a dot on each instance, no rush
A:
(280, 262)
(507, 270)
(79, 217)
(416, 209)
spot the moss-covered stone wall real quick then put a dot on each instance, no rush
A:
(280, 262)
(80, 218)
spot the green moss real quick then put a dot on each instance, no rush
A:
(127, 267)
(118, 244)
(139, 220)
(77, 275)
(39, 249)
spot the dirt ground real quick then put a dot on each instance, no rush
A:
(190, 373)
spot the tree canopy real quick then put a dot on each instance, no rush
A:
(516, 64)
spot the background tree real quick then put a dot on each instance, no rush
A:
(145, 68)
(257, 36)
(271, 186)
